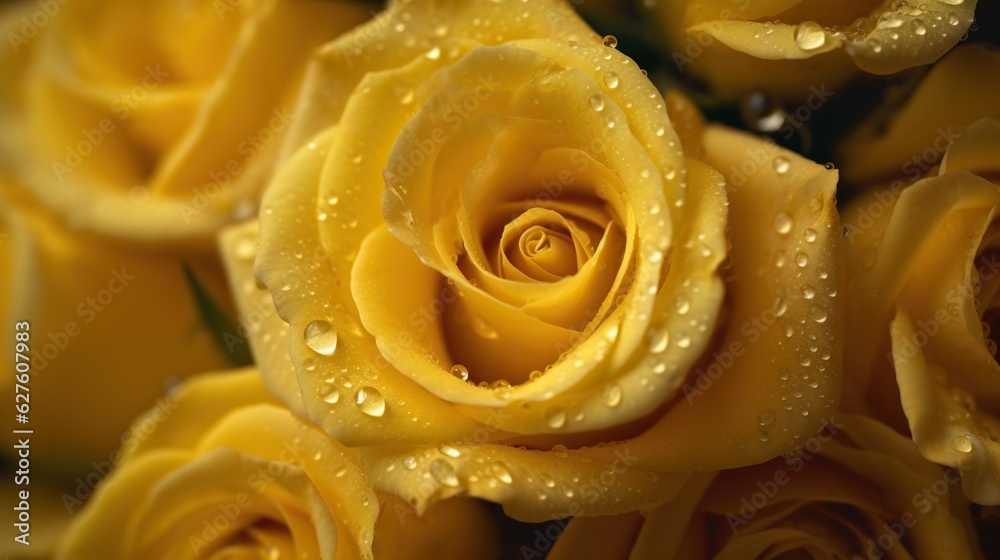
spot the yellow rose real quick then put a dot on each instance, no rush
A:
(922, 265)
(118, 125)
(788, 48)
(226, 473)
(156, 120)
(510, 287)
(855, 490)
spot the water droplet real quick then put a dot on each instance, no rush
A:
(783, 223)
(596, 102)
(817, 314)
(611, 79)
(555, 417)
(321, 337)
(610, 41)
(764, 437)
(810, 235)
(962, 444)
(682, 304)
(683, 340)
(780, 307)
(405, 94)
(444, 472)
(801, 260)
(371, 402)
(501, 473)
(766, 417)
(410, 462)
(332, 397)
(460, 371)
(450, 451)
(613, 395)
(781, 165)
(919, 27)
(952, 2)
(809, 36)
(807, 291)
(657, 340)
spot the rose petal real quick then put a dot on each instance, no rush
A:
(918, 134)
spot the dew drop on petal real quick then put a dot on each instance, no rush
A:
(410, 462)
(449, 450)
(321, 337)
(444, 472)
(555, 417)
(596, 102)
(657, 340)
(332, 397)
(783, 223)
(371, 402)
(610, 41)
(460, 371)
(613, 395)
(809, 36)
(781, 165)
(499, 470)
(961, 443)
(611, 79)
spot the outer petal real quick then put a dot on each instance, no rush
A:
(776, 372)
(916, 136)
(121, 129)
(87, 300)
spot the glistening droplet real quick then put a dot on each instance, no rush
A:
(809, 36)
(321, 337)
(371, 402)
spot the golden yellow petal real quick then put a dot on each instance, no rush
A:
(258, 326)
(87, 301)
(531, 485)
(783, 331)
(312, 295)
(917, 135)
(906, 36)
(453, 530)
(770, 41)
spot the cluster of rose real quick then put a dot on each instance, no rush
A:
(500, 279)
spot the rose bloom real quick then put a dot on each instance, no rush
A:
(128, 136)
(518, 284)
(799, 45)
(856, 489)
(922, 260)
(226, 472)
